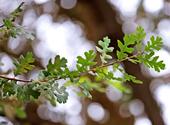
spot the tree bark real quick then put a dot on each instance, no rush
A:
(143, 93)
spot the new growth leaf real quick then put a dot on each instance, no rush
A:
(24, 64)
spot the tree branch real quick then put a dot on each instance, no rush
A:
(14, 79)
(93, 69)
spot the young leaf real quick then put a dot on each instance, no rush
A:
(57, 68)
(150, 60)
(84, 64)
(130, 40)
(140, 34)
(154, 44)
(24, 64)
(105, 49)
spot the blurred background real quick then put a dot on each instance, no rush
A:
(71, 27)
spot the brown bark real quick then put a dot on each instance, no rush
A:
(143, 93)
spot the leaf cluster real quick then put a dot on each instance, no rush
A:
(88, 75)
(130, 40)
(149, 58)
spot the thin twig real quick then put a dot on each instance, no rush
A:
(93, 69)
(14, 79)
(107, 64)
(113, 62)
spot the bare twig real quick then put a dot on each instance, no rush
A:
(14, 79)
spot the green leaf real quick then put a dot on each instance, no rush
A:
(119, 85)
(130, 40)
(140, 34)
(61, 94)
(148, 58)
(124, 48)
(52, 92)
(151, 61)
(8, 88)
(154, 44)
(8, 23)
(84, 64)
(105, 49)
(121, 55)
(72, 74)
(86, 87)
(56, 68)
(128, 77)
(27, 93)
(24, 64)
(105, 74)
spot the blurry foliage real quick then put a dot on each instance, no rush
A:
(47, 86)
(10, 29)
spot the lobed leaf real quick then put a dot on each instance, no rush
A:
(84, 64)
(151, 61)
(56, 68)
(24, 64)
(130, 40)
(105, 49)
(154, 44)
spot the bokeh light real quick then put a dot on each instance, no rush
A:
(162, 95)
(68, 4)
(142, 121)
(96, 111)
(113, 94)
(128, 9)
(136, 107)
(40, 1)
(153, 7)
